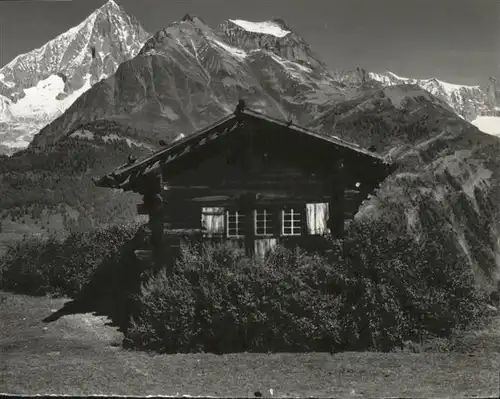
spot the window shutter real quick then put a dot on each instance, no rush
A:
(317, 217)
(212, 221)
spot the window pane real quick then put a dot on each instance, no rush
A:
(263, 222)
(235, 224)
(291, 223)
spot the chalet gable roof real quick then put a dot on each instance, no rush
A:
(152, 163)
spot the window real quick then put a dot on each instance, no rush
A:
(235, 223)
(212, 221)
(317, 218)
(292, 222)
(263, 223)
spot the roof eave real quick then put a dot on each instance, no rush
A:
(157, 155)
(329, 139)
(119, 175)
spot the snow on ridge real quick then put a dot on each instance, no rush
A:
(379, 77)
(41, 100)
(453, 86)
(10, 85)
(286, 64)
(60, 42)
(265, 27)
(88, 135)
(114, 137)
(230, 49)
(112, 3)
(488, 124)
(65, 38)
(448, 87)
(84, 134)
(5, 113)
(70, 33)
(17, 144)
(397, 77)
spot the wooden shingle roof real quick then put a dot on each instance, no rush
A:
(126, 173)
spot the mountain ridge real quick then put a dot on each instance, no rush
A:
(190, 53)
(468, 101)
(261, 41)
(39, 85)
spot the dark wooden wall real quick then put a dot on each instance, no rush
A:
(263, 159)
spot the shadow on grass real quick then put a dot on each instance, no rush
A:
(108, 293)
(110, 290)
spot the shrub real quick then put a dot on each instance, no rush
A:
(215, 299)
(55, 267)
(399, 289)
(373, 291)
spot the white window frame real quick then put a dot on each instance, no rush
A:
(295, 223)
(268, 223)
(239, 220)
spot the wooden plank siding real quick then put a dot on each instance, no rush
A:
(249, 162)
(264, 165)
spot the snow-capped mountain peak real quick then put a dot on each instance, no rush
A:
(188, 74)
(273, 35)
(64, 39)
(468, 101)
(265, 27)
(111, 3)
(391, 77)
(44, 82)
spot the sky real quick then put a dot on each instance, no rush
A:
(453, 40)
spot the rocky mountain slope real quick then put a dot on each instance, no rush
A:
(40, 85)
(449, 173)
(188, 75)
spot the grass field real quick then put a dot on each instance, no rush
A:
(80, 355)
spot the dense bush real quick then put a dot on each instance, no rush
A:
(215, 299)
(375, 290)
(55, 267)
(401, 289)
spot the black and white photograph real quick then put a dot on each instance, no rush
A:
(250, 198)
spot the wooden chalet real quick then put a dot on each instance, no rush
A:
(253, 179)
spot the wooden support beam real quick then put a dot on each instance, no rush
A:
(153, 205)
(246, 203)
(337, 200)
